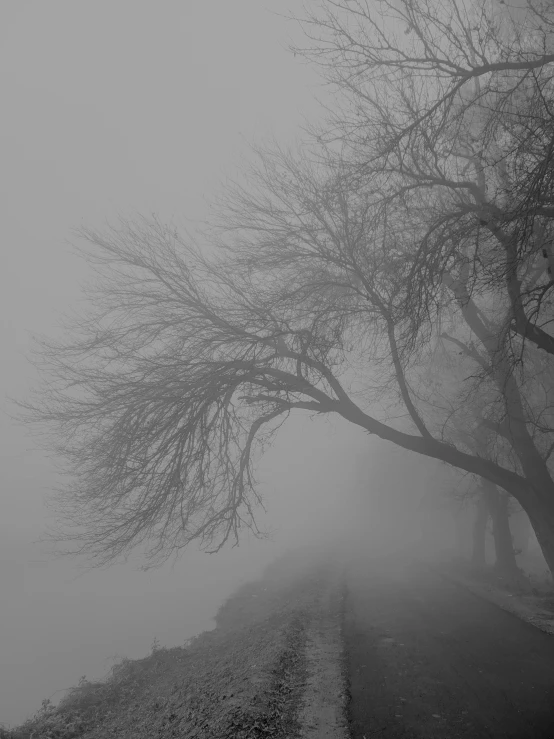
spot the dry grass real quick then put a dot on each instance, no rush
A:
(244, 679)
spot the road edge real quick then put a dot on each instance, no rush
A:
(506, 601)
(322, 711)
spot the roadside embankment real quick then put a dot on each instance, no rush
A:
(271, 667)
(532, 604)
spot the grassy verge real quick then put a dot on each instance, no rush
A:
(529, 597)
(244, 679)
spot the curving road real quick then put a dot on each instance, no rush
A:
(426, 659)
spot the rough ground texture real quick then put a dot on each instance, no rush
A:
(323, 705)
(246, 678)
(428, 659)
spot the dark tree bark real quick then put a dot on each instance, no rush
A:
(478, 557)
(541, 515)
(503, 544)
(520, 527)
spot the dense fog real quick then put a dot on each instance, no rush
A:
(60, 622)
(134, 107)
(114, 109)
(146, 112)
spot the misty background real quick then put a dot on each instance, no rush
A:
(138, 107)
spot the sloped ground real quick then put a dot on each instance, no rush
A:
(268, 668)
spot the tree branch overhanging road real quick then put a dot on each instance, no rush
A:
(417, 253)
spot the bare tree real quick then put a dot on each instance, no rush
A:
(161, 395)
(491, 503)
(452, 102)
(479, 533)
(447, 117)
(340, 272)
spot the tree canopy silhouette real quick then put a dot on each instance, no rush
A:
(394, 270)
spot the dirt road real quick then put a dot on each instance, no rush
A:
(428, 659)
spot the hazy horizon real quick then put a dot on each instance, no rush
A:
(130, 108)
(112, 109)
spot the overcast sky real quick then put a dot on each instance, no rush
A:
(121, 107)
(114, 107)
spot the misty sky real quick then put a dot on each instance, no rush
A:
(115, 108)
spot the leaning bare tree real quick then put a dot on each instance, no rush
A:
(448, 113)
(337, 270)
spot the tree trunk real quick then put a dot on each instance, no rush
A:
(479, 533)
(523, 488)
(520, 527)
(503, 544)
(541, 516)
